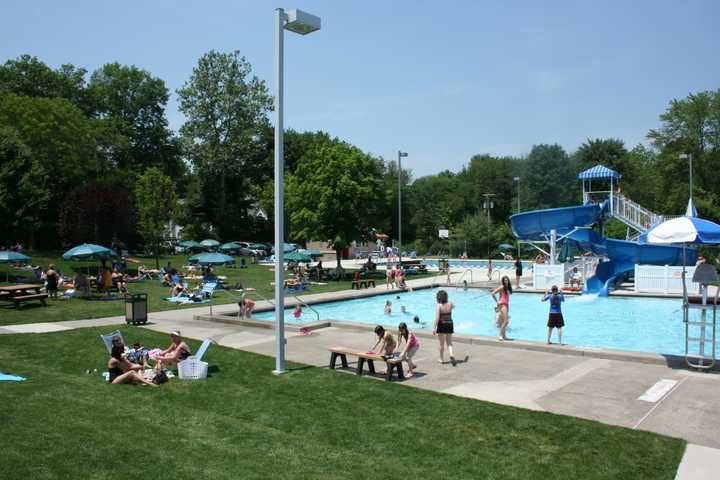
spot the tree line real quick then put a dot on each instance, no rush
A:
(89, 157)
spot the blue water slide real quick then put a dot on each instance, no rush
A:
(623, 255)
(536, 225)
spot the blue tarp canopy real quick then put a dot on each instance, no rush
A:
(598, 172)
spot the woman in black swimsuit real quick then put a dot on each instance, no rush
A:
(122, 371)
(518, 271)
(444, 325)
(176, 352)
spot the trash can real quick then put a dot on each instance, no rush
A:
(136, 308)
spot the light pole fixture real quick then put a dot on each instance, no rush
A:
(487, 205)
(517, 179)
(688, 156)
(400, 156)
(303, 23)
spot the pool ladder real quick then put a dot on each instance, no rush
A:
(297, 299)
(701, 360)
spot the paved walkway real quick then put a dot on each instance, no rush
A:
(657, 398)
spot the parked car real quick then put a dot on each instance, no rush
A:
(248, 247)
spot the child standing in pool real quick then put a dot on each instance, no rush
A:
(502, 307)
(411, 347)
(555, 319)
(388, 307)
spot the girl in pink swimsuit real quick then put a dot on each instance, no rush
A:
(502, 318)
(411, 347)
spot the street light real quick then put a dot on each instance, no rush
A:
(400, 156)
(303, 23)
(517, 179)
(488, 205)
(688, 156)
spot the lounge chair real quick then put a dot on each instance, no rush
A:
(107, 339)
(208, 289)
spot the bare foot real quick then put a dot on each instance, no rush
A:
(409, 375)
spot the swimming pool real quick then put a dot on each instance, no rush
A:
(469, 263)
(637, 324)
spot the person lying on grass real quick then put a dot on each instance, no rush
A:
(175, 353)
(122, 371)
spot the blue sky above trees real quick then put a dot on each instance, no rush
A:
(442, 81)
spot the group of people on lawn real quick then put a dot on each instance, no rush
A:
(122, 370)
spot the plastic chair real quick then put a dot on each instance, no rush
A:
(108, 339)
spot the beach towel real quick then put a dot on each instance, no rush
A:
(4, 377)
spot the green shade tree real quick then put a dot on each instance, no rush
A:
(24, 190)
(156, 204)
(333, 195)
(130, 105)
(226, 136)
(551, 177)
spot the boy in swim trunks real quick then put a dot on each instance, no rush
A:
(555, 319)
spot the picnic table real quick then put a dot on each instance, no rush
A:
(22, 293)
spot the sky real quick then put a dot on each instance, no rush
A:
(442, 81)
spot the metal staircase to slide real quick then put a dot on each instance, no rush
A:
(633, 214)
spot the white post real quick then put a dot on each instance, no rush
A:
(400, 205)
(279, 201)
(553, 241)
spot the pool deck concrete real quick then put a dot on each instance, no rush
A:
(552, 380)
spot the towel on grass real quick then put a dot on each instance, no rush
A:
(4, 377)
(185, 300)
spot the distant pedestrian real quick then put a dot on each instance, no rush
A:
(52, 279)
(443, 326)
(389, 276)
(555, 319)
(502, 307)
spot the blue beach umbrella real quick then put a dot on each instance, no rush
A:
(189, 244)
(209, 243)
(287, 247)
(505, 246)
(230, 246)
(87, 251)
(211, 259)
(8, 256)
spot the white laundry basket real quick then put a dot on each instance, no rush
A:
(192, 369)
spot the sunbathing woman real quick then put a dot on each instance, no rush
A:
(122, 371)
(175, 353)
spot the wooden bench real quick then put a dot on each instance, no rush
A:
(19, 299)
(365, 357)
(358, 284)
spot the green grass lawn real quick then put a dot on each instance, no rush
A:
(255, 276)
(244, 422)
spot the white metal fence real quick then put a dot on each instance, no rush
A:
(546, 275)
(663, 279)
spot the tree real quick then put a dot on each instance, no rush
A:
(96, 212)
(24, 192)
(609, 152)
(333, 195)
(551, 180)
(29, 77)
(225, 136)
(156, 201)
(60, 141)
(435, 202)
(690, 126)
(130, 104)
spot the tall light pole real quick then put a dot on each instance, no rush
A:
(688, 156)
(488, 205)
(400, 156)
(303, 23)
(517, 179)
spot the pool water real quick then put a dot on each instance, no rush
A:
(468, 263)
(637, 324)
